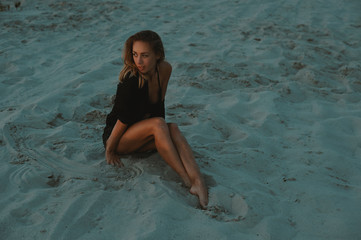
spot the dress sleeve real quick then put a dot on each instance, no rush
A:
(124, 101)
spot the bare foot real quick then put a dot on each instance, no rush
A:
(199, 189)
(187, 182)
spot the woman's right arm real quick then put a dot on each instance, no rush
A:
(124, 111)
(112, 144)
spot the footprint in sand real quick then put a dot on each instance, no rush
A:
(26, 216)
(101, 101)
(227, 207)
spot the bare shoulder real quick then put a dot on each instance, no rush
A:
(165, 69)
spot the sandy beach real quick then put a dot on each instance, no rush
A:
(268, 94)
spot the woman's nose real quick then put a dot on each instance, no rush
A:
(139, 60)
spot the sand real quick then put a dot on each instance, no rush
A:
(268, 94)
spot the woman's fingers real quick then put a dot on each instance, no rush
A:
(113, 159)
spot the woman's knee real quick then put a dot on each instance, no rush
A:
(158, 124)
(173, 128)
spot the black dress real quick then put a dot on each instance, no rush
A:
(132, 104)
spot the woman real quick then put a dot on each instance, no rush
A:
(136, 122)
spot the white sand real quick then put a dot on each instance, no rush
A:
(268, 93)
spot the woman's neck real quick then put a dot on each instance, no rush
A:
(150, 75)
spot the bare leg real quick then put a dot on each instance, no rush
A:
(154, 133)
(139, 137)
(186, 155)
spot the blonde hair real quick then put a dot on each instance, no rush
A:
(155, 43)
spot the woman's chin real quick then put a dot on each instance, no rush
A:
(143, 71)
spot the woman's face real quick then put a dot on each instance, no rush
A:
(144, 57)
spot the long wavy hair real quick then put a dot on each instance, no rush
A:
(155, 43)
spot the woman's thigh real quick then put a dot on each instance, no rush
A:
(139, 137)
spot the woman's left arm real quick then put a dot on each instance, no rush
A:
(165, 70)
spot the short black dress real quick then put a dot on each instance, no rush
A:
(132, 104)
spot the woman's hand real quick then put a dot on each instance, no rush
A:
(113, 159)
(111, 145)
